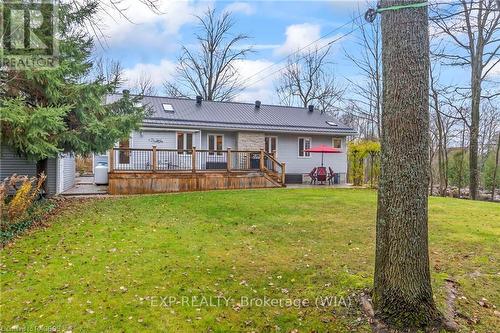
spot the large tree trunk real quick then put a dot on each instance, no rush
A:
(402, 294)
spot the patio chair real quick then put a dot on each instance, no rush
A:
(321, 174)
(331, 176)
(312, 174)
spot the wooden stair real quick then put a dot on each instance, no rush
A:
(277, 171)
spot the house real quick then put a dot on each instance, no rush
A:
(179, 125)
(60, 170)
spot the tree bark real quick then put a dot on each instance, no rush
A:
(402, 288)
(440, 143)
(496, 170)
(474, 131)
(431, 176)
(462, 157)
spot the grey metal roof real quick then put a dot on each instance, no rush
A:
(238, 116)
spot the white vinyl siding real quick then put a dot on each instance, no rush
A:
(66, 172)
(287, 152)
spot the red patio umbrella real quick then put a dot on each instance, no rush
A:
(323, 149)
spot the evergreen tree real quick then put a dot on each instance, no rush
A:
(45, 112)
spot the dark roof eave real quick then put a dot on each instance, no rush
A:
(249, 127)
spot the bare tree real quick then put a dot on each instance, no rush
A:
(488, 127)
(143, 85)
(471, 27)
(308, 79)
(497, 155)
(210, 69)
(462, 159)
(441, 126)
(112, 8)
(369, 63)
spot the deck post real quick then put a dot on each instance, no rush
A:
(261, 160)
(283, 171)
(155, 160)
(111, 159)
(228, 159)
(193, 161)
(273, 154)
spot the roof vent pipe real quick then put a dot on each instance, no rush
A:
(311, 108)
(198, 100)
(257, 104)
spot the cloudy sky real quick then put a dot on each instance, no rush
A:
(148, 43)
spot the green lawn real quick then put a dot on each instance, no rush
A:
(122, 264)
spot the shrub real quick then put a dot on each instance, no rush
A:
(17, 195)
(358, 151)
(35, 213)
(489, 170)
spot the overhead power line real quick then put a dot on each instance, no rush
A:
(322, 47)
(306, 46)
(302, 49)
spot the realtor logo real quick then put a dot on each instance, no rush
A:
(27, 34)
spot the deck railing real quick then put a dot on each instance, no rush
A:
(194, 160)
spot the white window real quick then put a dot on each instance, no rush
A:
(215, 142)
(304, 143)
(270, 144)
(184, 142)
(167, 107)
(337, 143)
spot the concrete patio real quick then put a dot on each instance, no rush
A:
(85, 186)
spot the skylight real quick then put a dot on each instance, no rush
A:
(168, 107)
(331, 123)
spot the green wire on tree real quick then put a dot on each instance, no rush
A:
(371, 13)
(413, 5)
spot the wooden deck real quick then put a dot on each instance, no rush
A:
(138, 171)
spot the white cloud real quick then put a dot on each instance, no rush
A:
(240, 7)
(144, 26)
(494, 69)
(258, 79)
(157, 73)
(298, 36)
(305, 35)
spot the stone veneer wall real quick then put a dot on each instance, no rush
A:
(250, 141)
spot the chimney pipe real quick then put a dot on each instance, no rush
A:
(311, 108)
(257, 104)
(198, 100)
